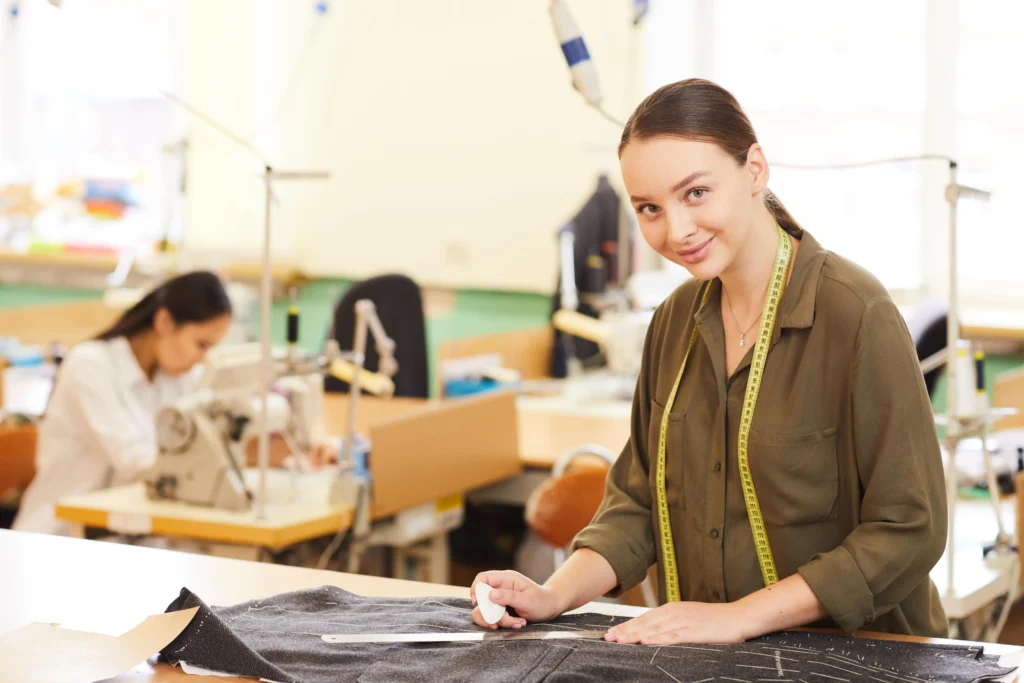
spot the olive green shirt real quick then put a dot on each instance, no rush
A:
(843, 453)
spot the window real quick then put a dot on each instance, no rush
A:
(990, 143)
(830, 85)
(81, 91)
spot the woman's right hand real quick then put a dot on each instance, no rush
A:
(531, 601)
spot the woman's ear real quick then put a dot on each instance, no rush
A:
(163, 322)
(757, 166)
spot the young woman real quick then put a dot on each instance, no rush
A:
(99, 428)
(783, 467)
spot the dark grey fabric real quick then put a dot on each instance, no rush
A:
(279, 639)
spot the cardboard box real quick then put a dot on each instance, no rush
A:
(423, 451)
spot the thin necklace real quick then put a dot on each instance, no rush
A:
(736, 322)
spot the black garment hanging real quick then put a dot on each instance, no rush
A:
(595, 229)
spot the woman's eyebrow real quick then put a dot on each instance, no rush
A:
(675, 188)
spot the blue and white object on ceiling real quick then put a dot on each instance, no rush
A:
(584, 73)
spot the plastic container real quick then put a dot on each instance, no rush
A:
(27, 387)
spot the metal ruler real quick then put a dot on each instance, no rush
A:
(468, 637)
(776, 286)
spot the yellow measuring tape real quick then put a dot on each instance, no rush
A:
(776, 286)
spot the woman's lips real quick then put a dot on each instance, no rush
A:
(697, 254)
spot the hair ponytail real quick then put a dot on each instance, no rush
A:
(195, 297)
(781, 214)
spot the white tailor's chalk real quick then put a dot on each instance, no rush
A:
(491, 613)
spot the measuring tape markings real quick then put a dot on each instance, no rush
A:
(765, 559)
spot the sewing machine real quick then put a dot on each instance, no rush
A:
(202, 437)
(620, 331)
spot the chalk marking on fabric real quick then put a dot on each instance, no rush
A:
(769, 668)
(762, 654)
(833, 666)
(668, 674)
(690, 647)
(834, 678)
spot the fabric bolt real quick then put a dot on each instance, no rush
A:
(279, 639)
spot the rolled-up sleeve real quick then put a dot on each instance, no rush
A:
(903, 515)
(621, 529)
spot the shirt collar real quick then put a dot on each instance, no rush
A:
(797, 306)
(128, 370)
(799, 298)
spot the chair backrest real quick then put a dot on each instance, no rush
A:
(563, 506)
(927, 326)
(17, 459)
(400, 309)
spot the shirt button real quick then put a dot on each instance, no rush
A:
(718, 467)
(716, 595)
(714, 533)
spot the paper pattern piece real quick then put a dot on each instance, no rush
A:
(46, 653)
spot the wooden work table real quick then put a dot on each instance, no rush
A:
(109, 588)
(544, 434)
(423, 453)
(11, 261)
(297, 510)
(1005, 324)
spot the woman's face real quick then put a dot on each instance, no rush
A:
(179, 348)
(694, 203)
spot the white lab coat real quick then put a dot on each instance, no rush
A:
(99, 429)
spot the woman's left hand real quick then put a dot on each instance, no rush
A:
(322, 454)
(684, 622)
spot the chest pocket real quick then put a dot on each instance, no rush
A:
(673, 456)
(686, 457)
(796, 476)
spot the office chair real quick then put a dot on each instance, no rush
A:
(18, 449)
(564, 505)
(400, 309)
(927, 327)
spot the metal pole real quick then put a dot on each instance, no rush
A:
(266, 293)
(266, 369)
(953, 320)
(952, 335)
(359, 361)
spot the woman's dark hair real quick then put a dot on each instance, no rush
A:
(697, 109)
(194, 297)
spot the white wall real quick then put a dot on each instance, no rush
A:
(455, 142)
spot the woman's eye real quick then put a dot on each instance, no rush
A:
(697, 192)
(648, 210)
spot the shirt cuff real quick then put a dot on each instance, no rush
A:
(838, 583)
(629, 563)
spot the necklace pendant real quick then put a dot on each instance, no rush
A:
(742, 342)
